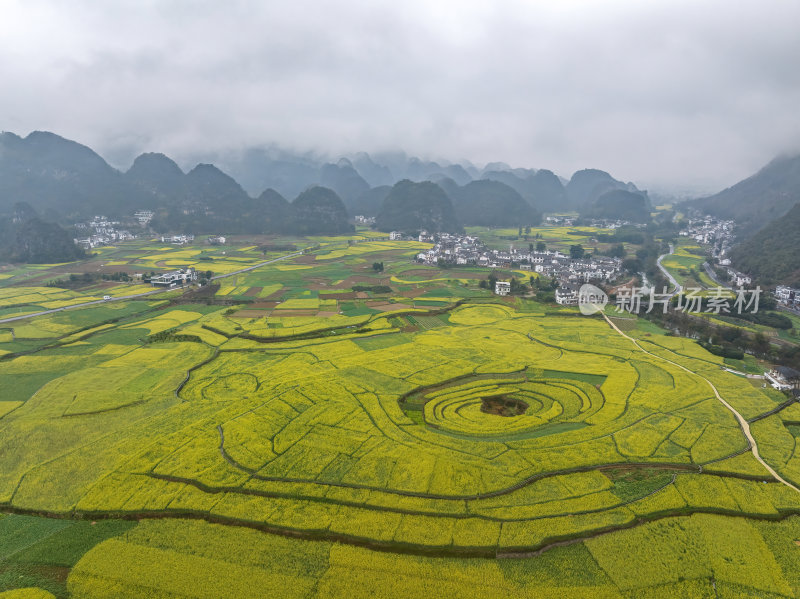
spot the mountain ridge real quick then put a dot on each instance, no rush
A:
(758, 199)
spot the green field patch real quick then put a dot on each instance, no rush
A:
(382, 341)
(427, 322)
(20, 387)
(356, 309)
(37, 552)
(631, 484)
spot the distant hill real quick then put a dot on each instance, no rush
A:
(67, 182)
(620, 204)
(547, 191)
(759, 199)
(375, 174)
(369, 203)
(159, 179)
(277, 212)
(586, 186)
(491, 204)
(772, 255)
(59, 177)
(317, 211)
(210, 201)
(25, 237)
(209, 187)
(344, 180)
(541, 189)
(417, 206)
(256, 169)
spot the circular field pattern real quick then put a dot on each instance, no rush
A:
(494, 408)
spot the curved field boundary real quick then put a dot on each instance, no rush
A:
(189, 372)
(105, 410)
(743, 424)
(214, 490)
(388, 546)
(689, 468)
(332, 331)
(775, 410)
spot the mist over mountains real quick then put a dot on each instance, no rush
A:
(65, 180)
(765, 196)
(273, 191)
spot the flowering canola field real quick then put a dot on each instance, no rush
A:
(497, 432)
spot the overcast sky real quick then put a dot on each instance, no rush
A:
(663, 93)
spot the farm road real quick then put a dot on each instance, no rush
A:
(668, 274)
(742, 422)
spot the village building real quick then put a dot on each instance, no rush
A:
(567, 295)
(784, 378)
(177, 239)
(739, 279)
(181, 276)
(144, 217)
(788, 296)
(502, 287)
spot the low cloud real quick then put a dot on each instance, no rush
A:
(662, 93)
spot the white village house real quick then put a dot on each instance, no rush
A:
(502, 287)
(567, 295)
(783, 378)
(181, 276)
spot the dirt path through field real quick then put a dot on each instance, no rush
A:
(742, 422)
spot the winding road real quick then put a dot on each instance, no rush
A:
(713, 276)
(145, 293)
(743, 424)
(668, 274)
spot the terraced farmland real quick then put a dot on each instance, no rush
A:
(473, 431)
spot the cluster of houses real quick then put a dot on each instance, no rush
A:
(556, 219)
(719, 236)
(177, 239)
(422, 237)
(788, 297)
(143, 217)
(467, 250)
(367, 221)
(608, 223)
(567, 220)
(101, 231)
(713, 232)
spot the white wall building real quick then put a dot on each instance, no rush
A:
(502, 287)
